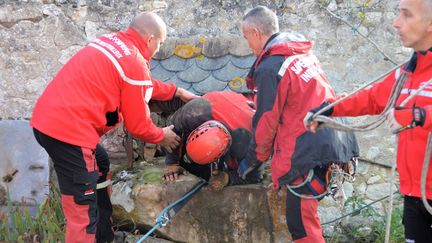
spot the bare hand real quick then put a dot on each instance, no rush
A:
(170, 140)
(172, 172)
(185, 95)
(312, 126)
(309, 124)
(218, 180)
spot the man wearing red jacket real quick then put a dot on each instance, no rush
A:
(414, 26)
(289, 81)
(107, 81)
(231, 112)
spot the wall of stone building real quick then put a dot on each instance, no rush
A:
(354, 39)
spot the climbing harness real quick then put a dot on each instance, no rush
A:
(336, 175)
(171, 210)
(316, 186)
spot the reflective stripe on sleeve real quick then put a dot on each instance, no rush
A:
(120, 69)
(286, 64)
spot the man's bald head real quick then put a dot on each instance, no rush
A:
(149, 23)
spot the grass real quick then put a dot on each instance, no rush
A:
(48, 225)
(396, 228)
(376, 231)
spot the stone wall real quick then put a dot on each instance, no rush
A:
(39, 36)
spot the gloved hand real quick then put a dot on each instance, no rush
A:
(402, 118)
(219, 180)
(245, 167)
(312, 125)
(172, 172)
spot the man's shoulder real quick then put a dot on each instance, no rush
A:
(271, 63)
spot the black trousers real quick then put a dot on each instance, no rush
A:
(87, 210)
(417, 220)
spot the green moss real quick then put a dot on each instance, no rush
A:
(119, 168)
(151, 174)
(119, 214)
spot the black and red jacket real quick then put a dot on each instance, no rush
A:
(289, 81)
(231, 109)
(106, 80)
(227, 107)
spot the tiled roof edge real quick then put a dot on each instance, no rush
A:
(209, 47)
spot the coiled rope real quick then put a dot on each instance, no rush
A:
(394, 94)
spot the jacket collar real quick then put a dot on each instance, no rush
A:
(270, 39)
(417, 57)
(285, 44)
(139, 42)
(283, 37)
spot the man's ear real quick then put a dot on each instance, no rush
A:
(429, 29)
(150, 39)
(256, 32)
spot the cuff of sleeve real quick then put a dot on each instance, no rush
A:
(171, 162)
(175, 92)
(428, 119)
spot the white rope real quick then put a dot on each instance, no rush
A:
(390, 201)
(357, 90)
(394, 94)
(425, 170)
(380, 119)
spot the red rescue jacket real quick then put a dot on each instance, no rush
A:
(412, 142)
(290, 81)
(108, 77)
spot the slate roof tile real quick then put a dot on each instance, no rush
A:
(153, 63)
(204, 65)
(179, 83)
(238, 84)
(229, 72)
(175, 63)
(193, 74)
(243, 62)
(161, 73)
(211, 64)
(208, 85)
(209, 47)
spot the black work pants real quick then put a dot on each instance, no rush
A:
(87, 210)
(416, 220)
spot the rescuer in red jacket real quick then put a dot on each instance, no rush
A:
(413, 120)
(105, 82)
(289, 81)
